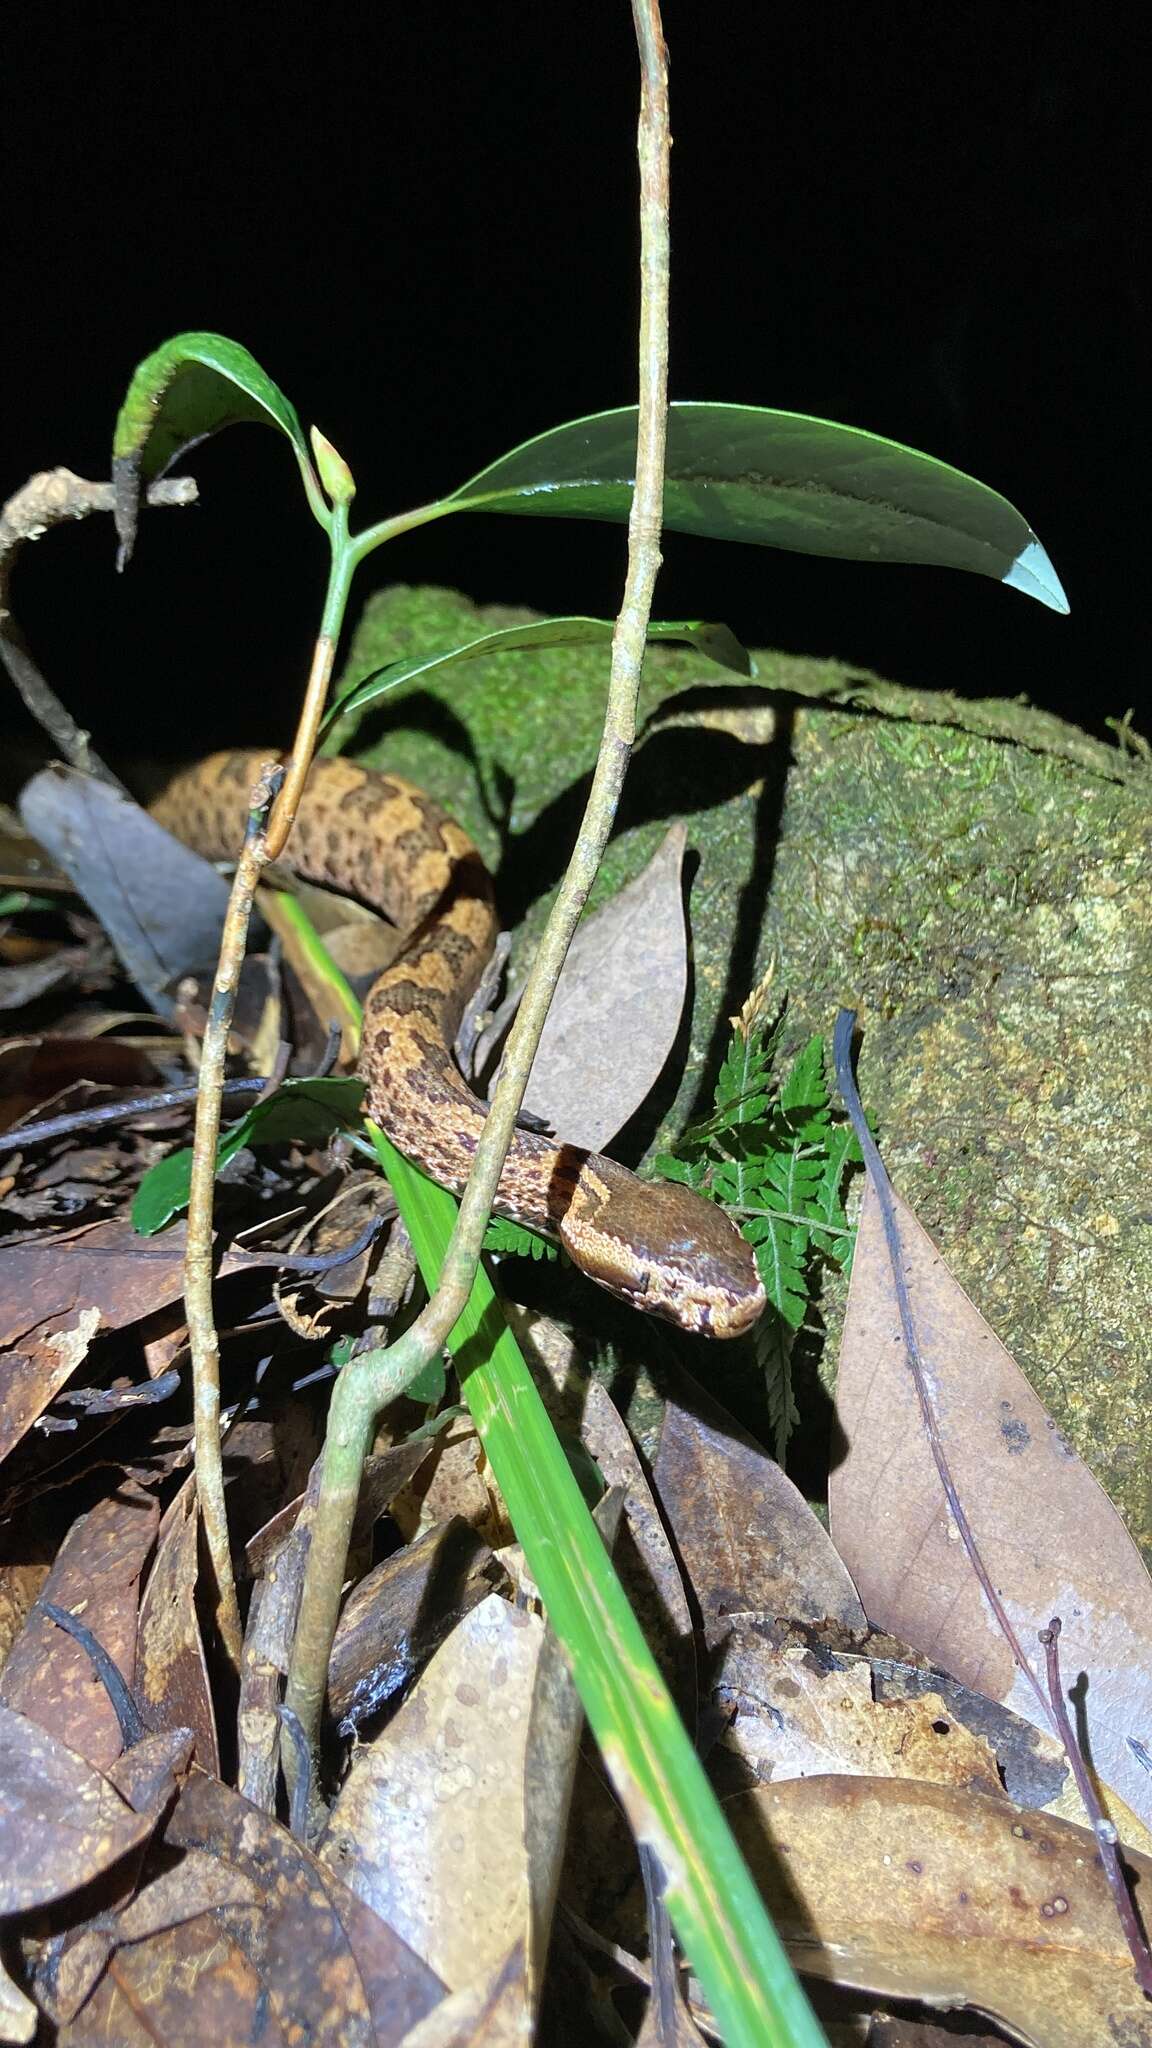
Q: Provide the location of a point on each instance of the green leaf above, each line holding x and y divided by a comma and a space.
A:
428, 1386
715, 641
191, 387
780, 1253
689, 1172
505, 1236
804, 1094
307, 1110
744, 1083
775, 1340
840, 1150
777, 479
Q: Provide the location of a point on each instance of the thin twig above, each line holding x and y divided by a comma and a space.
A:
203, 1340
18, 1136
260, 847
368, 1383
52, 498
1107, 1839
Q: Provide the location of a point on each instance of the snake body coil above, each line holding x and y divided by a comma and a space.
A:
379, 839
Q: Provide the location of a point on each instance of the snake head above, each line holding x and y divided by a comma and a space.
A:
662, 1248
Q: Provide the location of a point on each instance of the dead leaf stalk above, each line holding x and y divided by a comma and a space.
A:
55, 497
1103, 1829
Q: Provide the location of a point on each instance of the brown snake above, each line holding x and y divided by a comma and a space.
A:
374, 837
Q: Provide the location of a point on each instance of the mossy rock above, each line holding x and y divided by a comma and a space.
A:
974, 879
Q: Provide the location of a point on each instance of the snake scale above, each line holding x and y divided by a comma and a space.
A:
379, 839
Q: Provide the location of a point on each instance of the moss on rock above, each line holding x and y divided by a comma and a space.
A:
974, 879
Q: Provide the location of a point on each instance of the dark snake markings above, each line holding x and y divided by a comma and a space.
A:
381, 840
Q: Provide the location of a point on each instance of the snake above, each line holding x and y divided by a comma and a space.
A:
370, 835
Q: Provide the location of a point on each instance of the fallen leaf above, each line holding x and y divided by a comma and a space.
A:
400, 1613
35, 1069
328, 1969
429, 1828
161, 905
34, 1375
172, 1678
919, 1891
57, 1293
792, 1717
48, 1676
1051, 1541
616, 1012
750, 1544
61, 1822
18, 2015
454, 1481
491, 2014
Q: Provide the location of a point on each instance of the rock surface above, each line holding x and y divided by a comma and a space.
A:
974, 879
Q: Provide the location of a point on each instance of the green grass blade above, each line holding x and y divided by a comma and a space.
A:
715, 1907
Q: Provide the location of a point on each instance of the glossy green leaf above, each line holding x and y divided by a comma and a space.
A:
715, 641
191, 387
777, 479
309, 1110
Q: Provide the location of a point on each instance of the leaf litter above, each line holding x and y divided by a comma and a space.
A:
893, 1777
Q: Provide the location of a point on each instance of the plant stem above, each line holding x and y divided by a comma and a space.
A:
203, 1341
261, 845
368, 1383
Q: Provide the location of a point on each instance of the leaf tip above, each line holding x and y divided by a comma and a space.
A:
1032, 572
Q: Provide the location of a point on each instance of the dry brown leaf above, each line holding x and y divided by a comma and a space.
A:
429, 1829
55, 1296
453, 1481
303, 1961
795, 1718
172, 1677
192, 1984
400, 1613
61, 1822
919, 1891
1051, 1540
34, 1374
617, 1010
96, 1577
36, 1068
749, 1541
491, 2014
